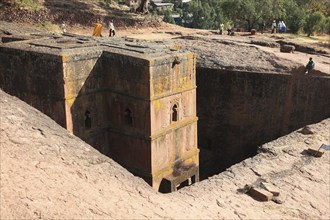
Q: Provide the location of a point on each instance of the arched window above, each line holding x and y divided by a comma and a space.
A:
175, 112
128, 117
88, 120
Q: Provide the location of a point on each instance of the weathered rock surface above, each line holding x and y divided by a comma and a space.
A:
287, 48
215, 52
47, 173
245, 53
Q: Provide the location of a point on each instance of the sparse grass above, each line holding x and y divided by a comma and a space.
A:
319, 42
51, 27
29, 4
106, 3
324, 38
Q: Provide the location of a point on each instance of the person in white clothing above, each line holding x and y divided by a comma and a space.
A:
274, 26
112, 29
63, 27
279, 26
283, 29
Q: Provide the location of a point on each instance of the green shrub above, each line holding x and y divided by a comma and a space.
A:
29, 4
313, 23
325, 25
168, 17
295, 20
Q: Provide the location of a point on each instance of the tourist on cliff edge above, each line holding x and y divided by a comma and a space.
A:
112, 29
310, 65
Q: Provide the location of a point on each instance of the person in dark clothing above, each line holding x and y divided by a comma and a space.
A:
310, 65
262, 27
229, 31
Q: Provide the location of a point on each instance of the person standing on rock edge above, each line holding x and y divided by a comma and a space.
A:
97, 32
283, 28
279, 27
262, 27
274, 27
111, 29
63, 27
229, 30
310, 65
222, 27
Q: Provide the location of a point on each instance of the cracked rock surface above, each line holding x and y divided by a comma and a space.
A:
47, 173
216, 52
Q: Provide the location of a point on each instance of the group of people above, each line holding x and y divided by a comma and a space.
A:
97, 32
222, 28
98, 29
280, 27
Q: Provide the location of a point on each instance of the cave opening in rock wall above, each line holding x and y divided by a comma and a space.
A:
239, 111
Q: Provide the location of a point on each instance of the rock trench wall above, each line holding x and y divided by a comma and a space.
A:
239, 111
36, 78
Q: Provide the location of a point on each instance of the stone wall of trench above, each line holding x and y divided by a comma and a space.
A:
35, 78
239, 111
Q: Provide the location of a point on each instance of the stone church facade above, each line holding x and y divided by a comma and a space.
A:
133, 101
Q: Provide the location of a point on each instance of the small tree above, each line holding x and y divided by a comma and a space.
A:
203, 14
168, 17
295, 21
143, 8
251, 12
325, 25
313, 23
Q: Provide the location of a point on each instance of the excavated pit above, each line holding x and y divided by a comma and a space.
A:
237, 110
247, 96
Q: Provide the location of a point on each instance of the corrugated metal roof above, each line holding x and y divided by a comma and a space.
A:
163, 4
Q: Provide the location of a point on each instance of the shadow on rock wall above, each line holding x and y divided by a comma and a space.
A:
239, 111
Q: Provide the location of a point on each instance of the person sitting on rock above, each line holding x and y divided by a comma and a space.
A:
310, 65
